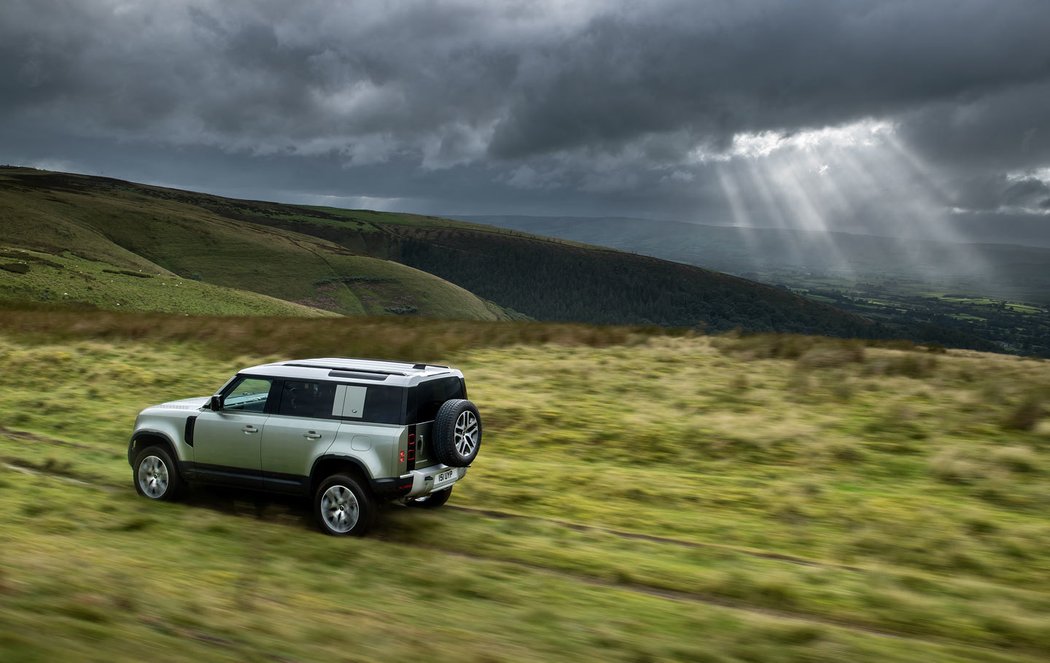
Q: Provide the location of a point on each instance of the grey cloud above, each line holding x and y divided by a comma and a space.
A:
597, 106
789, 65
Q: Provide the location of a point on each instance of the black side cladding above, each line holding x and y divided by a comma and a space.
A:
191, 422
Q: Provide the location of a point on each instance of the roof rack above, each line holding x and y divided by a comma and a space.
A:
343, 369
360, 375
419, 366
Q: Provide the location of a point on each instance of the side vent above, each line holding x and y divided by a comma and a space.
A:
191, 422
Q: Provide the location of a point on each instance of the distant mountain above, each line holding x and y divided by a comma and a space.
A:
792, 257
360, 262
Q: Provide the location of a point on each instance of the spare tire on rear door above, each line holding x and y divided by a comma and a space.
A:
457, 432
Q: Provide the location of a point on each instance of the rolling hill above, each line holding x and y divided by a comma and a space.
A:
122, 230
359, 262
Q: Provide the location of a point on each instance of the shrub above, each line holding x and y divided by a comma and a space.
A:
907, 365
831, 356
1016, 459
1026, 415
951, 466
844, 452
765, 346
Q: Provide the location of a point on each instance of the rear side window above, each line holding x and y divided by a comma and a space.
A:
302, 398
349, 402
384, 405
426, 398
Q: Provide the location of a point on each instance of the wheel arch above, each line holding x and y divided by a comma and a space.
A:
327, 465
147, 438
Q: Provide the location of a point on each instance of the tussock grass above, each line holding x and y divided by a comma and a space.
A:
1026, 414
751, 488
406, 338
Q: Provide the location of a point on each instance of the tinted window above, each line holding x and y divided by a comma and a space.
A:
247, 394
425, 399
384, 405
301, 398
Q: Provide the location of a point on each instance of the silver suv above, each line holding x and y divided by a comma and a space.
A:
348, 432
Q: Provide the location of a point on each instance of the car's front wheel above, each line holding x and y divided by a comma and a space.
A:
156, 475
343, 507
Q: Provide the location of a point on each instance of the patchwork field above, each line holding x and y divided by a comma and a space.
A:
639, 497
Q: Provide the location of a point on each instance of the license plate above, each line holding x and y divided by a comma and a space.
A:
445, 477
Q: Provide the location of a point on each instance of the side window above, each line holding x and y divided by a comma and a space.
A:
384, 405
301, 398
373, 404
248, 394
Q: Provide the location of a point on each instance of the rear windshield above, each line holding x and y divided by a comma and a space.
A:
425, 398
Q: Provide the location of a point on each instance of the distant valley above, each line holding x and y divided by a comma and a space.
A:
997, 290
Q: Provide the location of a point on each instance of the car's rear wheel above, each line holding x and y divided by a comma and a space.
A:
156, 475
433, 500
343, 507
457, 432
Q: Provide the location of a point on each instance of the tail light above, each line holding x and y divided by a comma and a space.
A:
411, 456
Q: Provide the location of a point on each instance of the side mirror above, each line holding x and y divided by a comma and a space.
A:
215, 404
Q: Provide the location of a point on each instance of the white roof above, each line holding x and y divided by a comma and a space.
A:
343, 369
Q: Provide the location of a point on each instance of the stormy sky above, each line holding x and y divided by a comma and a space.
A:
817, 114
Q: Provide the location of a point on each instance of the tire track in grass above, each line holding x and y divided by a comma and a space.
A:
654, 538
26, 436
682, 596
741, 607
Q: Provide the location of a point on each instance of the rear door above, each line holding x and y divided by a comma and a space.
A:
423, 403
303, 425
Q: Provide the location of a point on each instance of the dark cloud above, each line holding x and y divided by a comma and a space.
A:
468, 106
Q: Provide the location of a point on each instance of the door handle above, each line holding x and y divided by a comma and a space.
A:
249, 429
312, 435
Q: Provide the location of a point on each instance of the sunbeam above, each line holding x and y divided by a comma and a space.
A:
858, 178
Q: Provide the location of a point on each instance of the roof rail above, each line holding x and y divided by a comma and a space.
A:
360, 375
419, 366
342, 368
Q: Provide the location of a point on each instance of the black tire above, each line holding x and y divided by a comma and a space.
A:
348, 510
433, 500
457, 433
155, 474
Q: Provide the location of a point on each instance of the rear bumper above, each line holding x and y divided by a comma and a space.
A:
419, 483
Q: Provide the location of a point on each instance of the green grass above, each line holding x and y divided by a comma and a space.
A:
67, 279
638, 497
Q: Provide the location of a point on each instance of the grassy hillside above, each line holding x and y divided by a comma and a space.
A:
638, 497
356, 262
66, 279
127, 227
